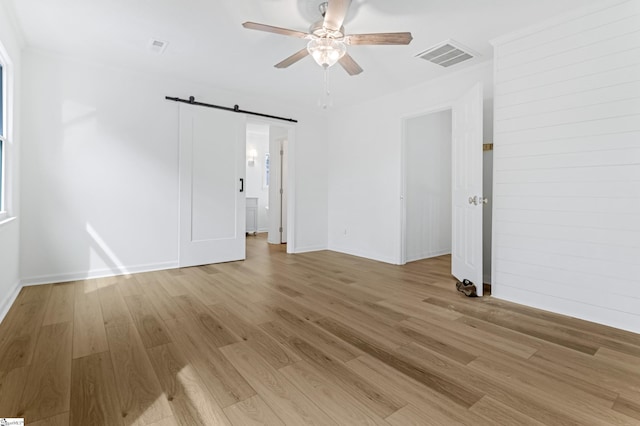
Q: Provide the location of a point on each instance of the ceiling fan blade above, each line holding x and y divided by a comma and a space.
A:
350, 65
302, 53
276, 30
379, 38
336, 12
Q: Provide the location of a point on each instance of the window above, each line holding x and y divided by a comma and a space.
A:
3, 143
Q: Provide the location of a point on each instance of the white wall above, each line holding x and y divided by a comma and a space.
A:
10, 230
365, 162
100, 168
427, 154
258, 140
567, 166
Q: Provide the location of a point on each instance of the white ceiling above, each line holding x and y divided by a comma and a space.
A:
208, 44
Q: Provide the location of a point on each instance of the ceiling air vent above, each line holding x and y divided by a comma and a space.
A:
447, 53
157, 46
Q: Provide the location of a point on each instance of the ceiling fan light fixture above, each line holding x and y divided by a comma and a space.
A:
326, 51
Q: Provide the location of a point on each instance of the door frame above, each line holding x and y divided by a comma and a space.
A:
290, 182
403, 171
448, 105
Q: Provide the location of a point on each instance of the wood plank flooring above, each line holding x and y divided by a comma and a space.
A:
319, 338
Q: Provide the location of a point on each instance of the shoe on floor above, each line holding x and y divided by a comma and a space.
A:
467, 288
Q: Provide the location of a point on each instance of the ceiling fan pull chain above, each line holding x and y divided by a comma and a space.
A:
325, 99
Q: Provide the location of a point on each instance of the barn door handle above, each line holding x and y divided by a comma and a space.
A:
241, 185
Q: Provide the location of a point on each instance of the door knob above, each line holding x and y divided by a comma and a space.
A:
475, 200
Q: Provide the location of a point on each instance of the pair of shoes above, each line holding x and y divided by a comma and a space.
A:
467, 288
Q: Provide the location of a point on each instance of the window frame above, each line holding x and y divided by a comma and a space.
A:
5, 137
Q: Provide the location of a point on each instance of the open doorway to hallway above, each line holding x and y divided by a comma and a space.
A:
267, 182
427, 189
427, 177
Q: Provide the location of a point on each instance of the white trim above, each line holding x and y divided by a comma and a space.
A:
4, 213
494, 234
309, 249
430, 255
8, 178
6, 304
357, 253
5, 218
291, 189
97, 273
571, 308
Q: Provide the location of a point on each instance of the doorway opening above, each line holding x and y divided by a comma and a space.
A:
257, 190
427, 185
268, 182
427, 190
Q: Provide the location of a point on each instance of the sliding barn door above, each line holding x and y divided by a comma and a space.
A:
212, 175
467, 197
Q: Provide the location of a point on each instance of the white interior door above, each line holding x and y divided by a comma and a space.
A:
212, 175
467, 198
278, 218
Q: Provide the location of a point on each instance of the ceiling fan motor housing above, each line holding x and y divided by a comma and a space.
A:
319, 30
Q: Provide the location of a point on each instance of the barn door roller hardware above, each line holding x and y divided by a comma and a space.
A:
236, 108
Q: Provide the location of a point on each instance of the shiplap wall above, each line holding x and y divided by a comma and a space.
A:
567, 165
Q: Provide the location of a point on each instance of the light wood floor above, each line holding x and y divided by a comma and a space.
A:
319, 338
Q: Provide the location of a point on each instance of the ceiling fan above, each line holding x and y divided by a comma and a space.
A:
328, 40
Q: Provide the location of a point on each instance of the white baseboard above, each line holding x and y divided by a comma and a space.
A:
309, 249
8, 300
430, 255
97, 273
365, 255
572, 308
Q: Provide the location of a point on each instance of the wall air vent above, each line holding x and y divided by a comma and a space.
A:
157, 46
447, 53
